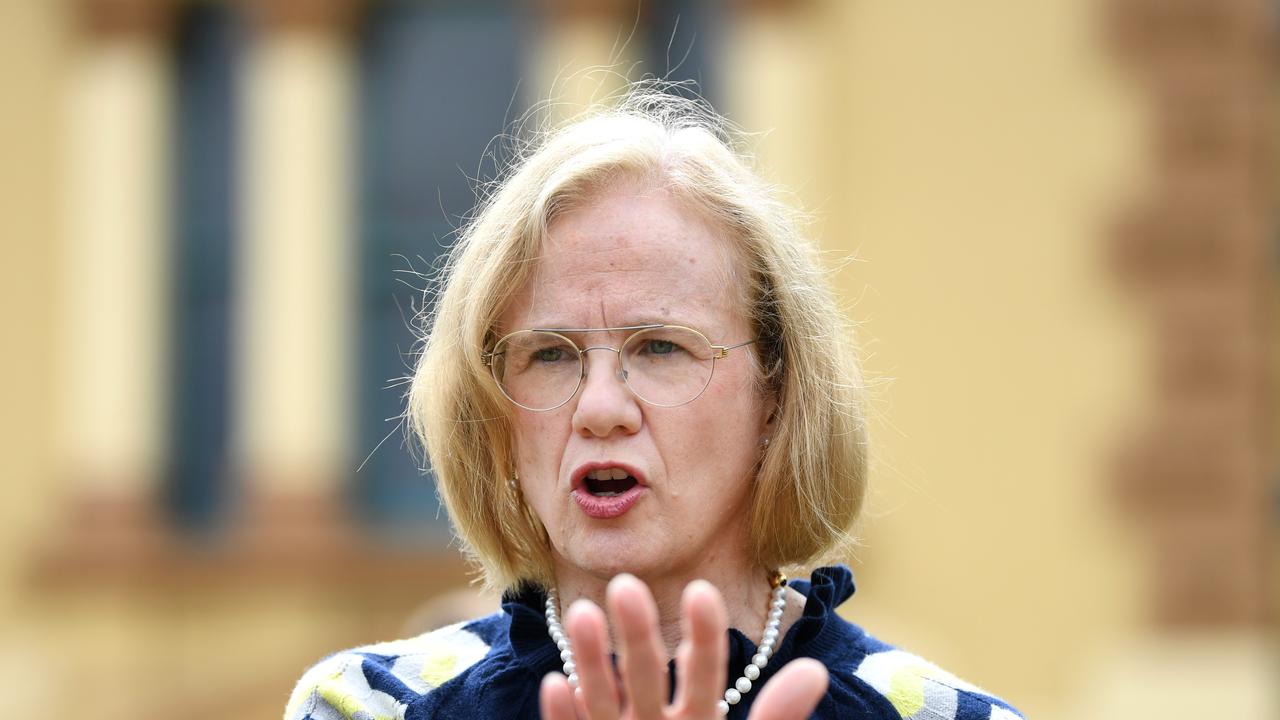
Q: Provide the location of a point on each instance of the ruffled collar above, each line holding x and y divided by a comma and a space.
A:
815, 633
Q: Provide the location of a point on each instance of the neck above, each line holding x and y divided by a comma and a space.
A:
744, 586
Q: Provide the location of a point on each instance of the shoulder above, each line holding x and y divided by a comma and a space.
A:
920, 690
377, 682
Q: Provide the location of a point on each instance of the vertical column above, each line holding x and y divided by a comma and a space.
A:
780, 81
583, 53
113, 354
296, 269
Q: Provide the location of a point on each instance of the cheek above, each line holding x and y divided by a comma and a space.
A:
538, 439
738, 425
717, 440
737, 401
536, 459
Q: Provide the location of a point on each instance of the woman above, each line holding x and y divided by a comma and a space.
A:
635, 396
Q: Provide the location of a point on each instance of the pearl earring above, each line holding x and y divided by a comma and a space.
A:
764, 441
513, 482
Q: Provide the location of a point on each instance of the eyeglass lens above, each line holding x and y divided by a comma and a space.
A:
666, 366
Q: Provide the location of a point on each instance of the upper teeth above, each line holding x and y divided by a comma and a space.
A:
607, 474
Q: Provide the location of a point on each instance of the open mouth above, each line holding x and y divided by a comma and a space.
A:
607, 490
608, 482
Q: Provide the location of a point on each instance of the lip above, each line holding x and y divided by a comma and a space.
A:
579, 476
604, 508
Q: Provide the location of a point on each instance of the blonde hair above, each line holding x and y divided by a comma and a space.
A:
812, 478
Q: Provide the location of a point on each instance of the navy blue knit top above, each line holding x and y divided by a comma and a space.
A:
492, 668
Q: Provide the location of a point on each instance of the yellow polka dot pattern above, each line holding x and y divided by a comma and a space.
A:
917, 689
337, 687
906, 690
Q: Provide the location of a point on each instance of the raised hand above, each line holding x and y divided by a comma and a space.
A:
638, 691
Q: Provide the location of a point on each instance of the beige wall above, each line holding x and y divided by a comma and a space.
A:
979, 168
962, 160
974, 153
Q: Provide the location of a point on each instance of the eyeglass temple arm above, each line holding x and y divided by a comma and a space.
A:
723, 350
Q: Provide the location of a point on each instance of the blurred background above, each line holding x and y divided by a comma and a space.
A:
1052, 221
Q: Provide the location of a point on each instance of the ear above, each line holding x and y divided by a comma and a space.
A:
769, 412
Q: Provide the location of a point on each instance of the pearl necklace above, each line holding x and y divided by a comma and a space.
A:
741, 686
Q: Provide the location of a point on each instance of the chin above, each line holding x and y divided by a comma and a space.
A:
607, 553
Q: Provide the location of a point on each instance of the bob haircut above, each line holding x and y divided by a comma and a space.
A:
811, 480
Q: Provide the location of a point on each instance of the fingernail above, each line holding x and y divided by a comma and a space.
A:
620, 580
697, 585
702, 587
578, 606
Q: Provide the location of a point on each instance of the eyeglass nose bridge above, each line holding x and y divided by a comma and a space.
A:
622, 371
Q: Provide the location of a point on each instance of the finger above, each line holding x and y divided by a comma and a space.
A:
703, 652
555, 698
599, 690
793, 693
644, 665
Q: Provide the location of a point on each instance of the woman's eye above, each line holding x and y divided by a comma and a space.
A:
550, 354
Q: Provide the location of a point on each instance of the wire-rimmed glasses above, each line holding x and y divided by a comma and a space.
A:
664, 365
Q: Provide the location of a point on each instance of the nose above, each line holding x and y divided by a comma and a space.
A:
605, 404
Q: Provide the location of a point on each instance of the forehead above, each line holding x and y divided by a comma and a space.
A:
629, 256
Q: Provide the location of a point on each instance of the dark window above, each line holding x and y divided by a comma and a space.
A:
207, 41
680, 42
437, 82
